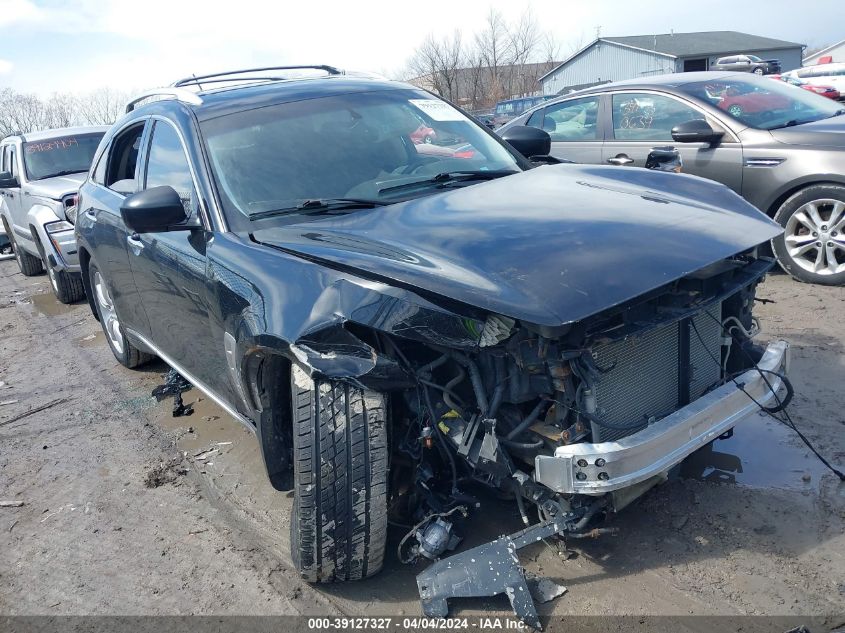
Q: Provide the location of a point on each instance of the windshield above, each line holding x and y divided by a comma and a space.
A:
754, 58
59, 156
763, 103
375, 145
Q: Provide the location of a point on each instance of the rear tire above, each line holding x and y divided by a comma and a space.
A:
29, 265
339, 520
812, 248
126, 354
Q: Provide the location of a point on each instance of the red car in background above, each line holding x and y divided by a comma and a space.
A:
826, 91
423, 134
737, 102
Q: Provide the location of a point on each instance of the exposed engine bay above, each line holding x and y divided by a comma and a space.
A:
486, 417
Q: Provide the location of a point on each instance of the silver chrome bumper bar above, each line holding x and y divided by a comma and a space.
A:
658, 447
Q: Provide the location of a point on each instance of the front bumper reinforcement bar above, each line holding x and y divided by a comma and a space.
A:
594, 469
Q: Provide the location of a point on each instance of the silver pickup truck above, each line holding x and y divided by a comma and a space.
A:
40, 173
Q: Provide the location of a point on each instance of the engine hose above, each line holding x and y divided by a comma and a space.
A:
532, 446
437, 362
532, 417
475, 379
499, 392
594, 533
592, 511
447, 392
441, 442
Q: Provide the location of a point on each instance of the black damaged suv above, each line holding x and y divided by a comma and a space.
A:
404, 323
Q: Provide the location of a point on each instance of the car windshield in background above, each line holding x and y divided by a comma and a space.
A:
763, 103
53, 157
378, 146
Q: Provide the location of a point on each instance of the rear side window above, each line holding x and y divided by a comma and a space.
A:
572, 120
121, 170
168, 165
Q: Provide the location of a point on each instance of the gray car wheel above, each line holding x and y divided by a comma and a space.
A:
759, 71
126, 354
812, 247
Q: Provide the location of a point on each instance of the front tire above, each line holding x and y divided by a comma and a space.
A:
126, 354
759, 71
339, 520
812, 247
67, 286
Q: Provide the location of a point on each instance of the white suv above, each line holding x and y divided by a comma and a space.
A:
40, 173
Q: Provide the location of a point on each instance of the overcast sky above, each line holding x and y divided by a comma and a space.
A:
78, 45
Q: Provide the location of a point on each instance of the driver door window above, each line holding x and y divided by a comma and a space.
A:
648, 117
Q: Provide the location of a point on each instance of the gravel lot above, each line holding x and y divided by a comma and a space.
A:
127, 510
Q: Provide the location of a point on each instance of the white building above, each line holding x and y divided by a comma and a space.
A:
835, 52
617, 58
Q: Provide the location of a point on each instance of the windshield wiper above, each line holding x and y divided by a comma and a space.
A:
66, 172
793, 123
316, 205
446, 177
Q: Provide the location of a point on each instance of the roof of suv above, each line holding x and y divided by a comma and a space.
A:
220, 101
44, 135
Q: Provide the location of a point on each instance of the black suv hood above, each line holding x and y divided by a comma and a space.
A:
548, 246
825, 133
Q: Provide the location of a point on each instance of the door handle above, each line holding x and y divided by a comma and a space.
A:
135, 243
620, 159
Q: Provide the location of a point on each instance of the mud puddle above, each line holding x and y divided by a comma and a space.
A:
763, 453
47, 304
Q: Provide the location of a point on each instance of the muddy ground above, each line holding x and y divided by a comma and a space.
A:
127, 510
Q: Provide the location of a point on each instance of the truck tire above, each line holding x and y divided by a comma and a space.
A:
30, 265
126, 354
339, 521
812, 247
67, 286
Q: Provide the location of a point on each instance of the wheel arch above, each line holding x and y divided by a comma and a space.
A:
792, 188
266, 372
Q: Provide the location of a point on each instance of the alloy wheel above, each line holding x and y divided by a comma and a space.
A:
111, 325
814, 236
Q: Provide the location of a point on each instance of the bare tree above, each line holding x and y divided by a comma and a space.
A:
493, 46
435, 64
103, 106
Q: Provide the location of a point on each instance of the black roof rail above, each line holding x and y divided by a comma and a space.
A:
218, 77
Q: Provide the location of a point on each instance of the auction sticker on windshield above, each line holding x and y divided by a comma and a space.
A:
437, 110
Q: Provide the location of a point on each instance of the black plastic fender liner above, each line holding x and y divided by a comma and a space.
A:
486, 570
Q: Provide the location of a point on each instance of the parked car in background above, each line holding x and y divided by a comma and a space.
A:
401, 328
40, 173
747, 64
820, 89
782, 149
423, 134
822, 74
510, 108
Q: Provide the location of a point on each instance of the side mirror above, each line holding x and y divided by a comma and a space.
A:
528, 141
696, 131
154, 211
8, 180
